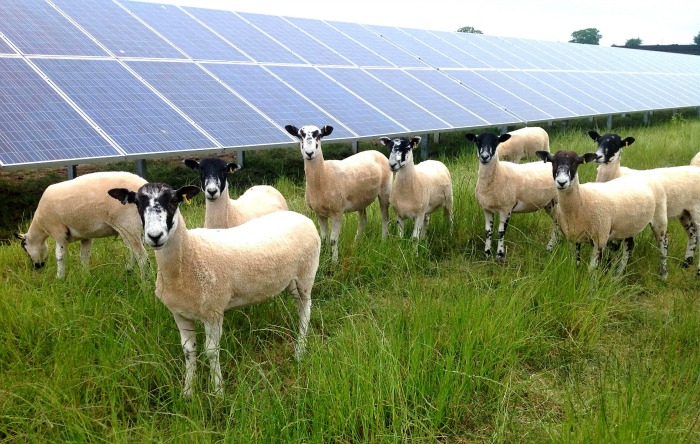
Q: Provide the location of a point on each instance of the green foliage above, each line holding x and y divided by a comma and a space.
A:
588, 36
469, 30
632, 43
407, 342
696, 39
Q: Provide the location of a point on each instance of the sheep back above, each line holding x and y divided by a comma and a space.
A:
431, 187
256, 201
696, 160
523, 142
522, 188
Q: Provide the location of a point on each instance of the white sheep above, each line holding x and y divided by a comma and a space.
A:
80, 210
600, 211
203, 272
681, 185
695, 161
523, 142
226, 213
335, 187
418, 190
506, 187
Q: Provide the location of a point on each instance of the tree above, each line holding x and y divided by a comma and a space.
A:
696, 39
633, 43
588, 36
469, 29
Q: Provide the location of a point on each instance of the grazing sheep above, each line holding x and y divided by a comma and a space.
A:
597, 211
80, 210
505, 188
226, 213
681, 185
335, 187
418, 190
696, 160
523, 142
203, 272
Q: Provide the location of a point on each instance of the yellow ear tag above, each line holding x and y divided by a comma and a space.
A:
184, 197
627, 144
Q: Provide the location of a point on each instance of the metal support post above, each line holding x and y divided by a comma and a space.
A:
240, 158
436, 137
355, 146
72, 171
609, 121
424, 147
141, 167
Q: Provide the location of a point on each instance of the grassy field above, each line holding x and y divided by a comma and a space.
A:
441, 346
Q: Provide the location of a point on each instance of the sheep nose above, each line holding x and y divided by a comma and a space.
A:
212, 191
156, 237
39, 265
561, 182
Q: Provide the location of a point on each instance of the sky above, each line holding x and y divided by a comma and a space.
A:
655, 22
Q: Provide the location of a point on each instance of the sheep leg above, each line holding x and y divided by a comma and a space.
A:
690, 228
336, 223
323, 225
628, 246
400, 225
550, 208
60, 258
450, 217
361, 223
303, 298
488, 218
424, 228
188, 341
213, 332
138, 253
578, 253
384, 208
596, 255
503, 219
85, 246
418, 227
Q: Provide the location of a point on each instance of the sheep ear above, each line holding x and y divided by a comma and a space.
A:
326, 130
386, 141
594, 135
123, 195
589, 157
414, 142
470, 137
546, 156
293, 130
191, 163
18, 235
503, 137
628, 141
232, 167
185, 193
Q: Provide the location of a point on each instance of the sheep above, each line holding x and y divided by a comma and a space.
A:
505, 188
600, 211
681, 184
227, 213
203, 272
335, 187
695, 161
80, 210
523, 142
418, 190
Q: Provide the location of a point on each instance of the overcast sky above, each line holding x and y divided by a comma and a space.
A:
655, 22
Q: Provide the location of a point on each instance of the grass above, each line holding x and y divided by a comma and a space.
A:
439, 346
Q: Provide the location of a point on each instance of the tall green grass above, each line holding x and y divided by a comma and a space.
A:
408, 342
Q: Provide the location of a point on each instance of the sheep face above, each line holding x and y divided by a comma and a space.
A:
157, 204
400, 150
486, 144
609, 146
212, 175
37, 250
309, 138
565, 165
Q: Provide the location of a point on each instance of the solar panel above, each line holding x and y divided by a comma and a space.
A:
5, 48
390, 102
469, 43
687, 85
185, 32
223, 115
37, 126
414, 46
533, 53
37, 28
243, 36
569, 102
354, 112
116, 29
281, 103
130, 113
308, 48
632, 86
581, 94
456, 53
587, 84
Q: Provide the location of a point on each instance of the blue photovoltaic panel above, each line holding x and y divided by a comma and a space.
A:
455, 53
607, 84
478, 81
498, 49
485, 110
5, 48
37, 126
293, 38
130, 113
416, 47
206, 101
116, 29
443, 107
469, 44
642, 90
663, 90
245, 37
582, 94
185, 32
274, 98
587, 84
37, 28
688, 86
534, 53
341, 43
562, 51
392, 103
530, 92
561, 98
356, 114
378, 45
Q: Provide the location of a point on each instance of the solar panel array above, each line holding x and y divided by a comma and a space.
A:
91, 80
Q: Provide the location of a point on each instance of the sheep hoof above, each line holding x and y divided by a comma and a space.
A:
500, 257
687, 262
487, 254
